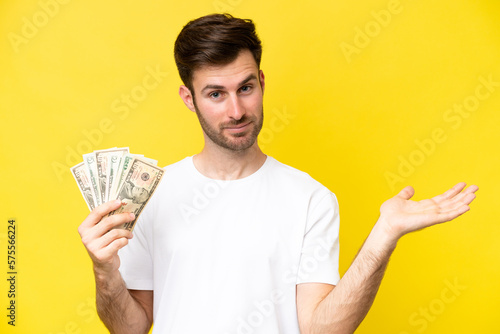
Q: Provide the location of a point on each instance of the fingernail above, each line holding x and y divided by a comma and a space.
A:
117, 201
132, 216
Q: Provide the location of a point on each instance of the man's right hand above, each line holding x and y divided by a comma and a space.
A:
120, 309
100, 238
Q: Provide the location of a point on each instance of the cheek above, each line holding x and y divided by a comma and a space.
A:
254, 105
212, 111
256, 99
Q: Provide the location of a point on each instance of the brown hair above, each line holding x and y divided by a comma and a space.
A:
215, 39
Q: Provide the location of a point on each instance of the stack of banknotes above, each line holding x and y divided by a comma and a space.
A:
106, 175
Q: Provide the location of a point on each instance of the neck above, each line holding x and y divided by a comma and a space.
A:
222, 164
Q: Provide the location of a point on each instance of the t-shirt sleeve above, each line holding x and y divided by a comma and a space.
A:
319, 261
136, 265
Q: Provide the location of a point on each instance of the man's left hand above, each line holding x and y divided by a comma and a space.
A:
400, 215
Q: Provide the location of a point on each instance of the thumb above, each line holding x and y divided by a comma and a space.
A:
406, 193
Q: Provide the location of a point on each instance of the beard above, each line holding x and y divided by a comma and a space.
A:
234, 142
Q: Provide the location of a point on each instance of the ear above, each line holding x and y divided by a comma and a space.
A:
187, 97
262, 81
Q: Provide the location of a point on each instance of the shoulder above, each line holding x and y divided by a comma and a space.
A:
179, 166
294, 177
281, 167
174, 177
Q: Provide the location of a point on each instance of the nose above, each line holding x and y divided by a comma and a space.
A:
236, 108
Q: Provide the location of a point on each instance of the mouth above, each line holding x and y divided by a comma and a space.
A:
237, 128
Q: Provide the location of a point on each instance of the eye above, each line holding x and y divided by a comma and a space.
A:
246, 88
214, 95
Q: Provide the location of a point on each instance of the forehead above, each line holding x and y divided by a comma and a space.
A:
226, 75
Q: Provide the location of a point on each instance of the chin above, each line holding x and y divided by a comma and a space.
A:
240, 146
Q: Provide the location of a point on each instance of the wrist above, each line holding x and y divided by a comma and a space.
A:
106, 278
383, 237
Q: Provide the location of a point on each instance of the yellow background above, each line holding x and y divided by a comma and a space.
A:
353, 122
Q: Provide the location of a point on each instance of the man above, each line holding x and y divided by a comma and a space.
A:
234, 241
130, 191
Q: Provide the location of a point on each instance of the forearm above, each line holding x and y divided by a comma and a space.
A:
116, 307
343, 309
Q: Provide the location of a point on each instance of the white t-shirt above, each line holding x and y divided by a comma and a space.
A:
224, 257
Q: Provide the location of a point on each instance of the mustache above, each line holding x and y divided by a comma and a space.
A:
242, 120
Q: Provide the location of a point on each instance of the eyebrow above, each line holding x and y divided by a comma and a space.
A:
244, 81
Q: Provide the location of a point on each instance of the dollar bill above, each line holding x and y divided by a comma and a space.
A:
102, 168
125, 164
113, 164
137, 187
103, 160
114, 173
120, 172
83, 180
89, 160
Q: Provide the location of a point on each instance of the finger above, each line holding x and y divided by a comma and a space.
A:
99, 212
103, 256
90, 235
111, 236
438, 217
452, 214
108, 223
115, 245
456, 189
97, 246
472, 189
465, 197
406, 193
469, 190
468, 198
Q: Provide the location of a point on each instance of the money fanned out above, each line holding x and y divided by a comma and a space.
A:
106, 175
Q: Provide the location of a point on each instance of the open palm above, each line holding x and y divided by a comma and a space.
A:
403, 215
